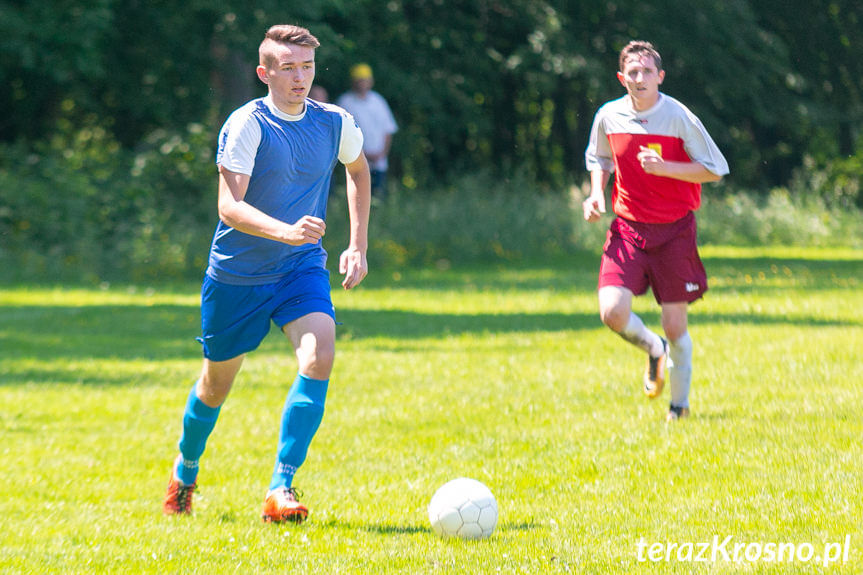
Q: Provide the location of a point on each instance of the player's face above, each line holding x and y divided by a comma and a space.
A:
363, 85
641, 79
290, 79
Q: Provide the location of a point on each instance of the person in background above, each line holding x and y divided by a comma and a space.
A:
319, 94
375, 119
660, 154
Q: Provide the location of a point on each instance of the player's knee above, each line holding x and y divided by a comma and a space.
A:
317, 362
614, 317
213, 389
615, 307
674, 330
681, 345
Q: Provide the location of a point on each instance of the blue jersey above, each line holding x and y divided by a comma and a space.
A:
292, 160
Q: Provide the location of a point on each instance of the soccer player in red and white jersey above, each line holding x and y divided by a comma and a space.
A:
660, 154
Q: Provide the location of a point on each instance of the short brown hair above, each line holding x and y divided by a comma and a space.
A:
284, 34
639, 48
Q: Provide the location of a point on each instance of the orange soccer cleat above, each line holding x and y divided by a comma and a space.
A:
283, 504
178, 499
654, 375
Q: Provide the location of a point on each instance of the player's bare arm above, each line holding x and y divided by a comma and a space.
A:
594, 204
653, 163
238, 214
353, 263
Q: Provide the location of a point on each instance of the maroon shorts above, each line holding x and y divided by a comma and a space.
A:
662, 256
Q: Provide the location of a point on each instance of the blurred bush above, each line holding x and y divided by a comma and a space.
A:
837, 182
81, 208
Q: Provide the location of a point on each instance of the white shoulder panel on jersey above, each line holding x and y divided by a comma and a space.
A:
242, 135
351, 141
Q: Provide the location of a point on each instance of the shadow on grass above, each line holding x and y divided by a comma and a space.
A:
413, 325
144, 334
389, 529
168, 332
36, 340
43, 338
794, 273
99, 332
580, 273
395, 529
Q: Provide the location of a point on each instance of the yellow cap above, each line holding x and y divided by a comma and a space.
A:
361, 72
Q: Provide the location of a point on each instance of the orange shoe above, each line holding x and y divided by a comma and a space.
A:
283, 504
178, 499
654, 375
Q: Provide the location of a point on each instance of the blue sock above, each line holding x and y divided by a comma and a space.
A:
199, 419
304, 409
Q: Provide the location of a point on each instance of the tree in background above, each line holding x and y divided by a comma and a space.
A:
477, 85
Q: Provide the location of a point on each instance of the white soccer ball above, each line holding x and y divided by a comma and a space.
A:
463, 508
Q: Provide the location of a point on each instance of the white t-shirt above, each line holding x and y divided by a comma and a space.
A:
375, 119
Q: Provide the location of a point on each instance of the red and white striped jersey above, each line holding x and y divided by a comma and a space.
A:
671, 129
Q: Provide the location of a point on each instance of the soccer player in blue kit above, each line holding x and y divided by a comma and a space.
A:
275, 157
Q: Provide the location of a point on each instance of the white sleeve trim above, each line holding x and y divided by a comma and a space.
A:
702, 149
241, 135
351, 141
598, 155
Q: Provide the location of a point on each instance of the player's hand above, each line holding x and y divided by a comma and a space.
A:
651, 161
594, 207
354, 266
307, 230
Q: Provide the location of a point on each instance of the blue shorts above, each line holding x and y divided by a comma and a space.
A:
235, 319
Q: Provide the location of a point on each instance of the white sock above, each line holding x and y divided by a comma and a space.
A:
637, 334
680, 370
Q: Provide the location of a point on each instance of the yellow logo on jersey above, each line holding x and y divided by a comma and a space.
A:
656, 148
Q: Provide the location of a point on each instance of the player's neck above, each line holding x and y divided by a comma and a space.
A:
285, 107
644, 104
291, 109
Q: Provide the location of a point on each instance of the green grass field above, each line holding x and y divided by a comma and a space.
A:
504, 374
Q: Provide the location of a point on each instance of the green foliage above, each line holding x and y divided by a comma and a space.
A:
517, 87
55, 202
52, 56
778, 219
173, 178
84, 209
837, 182
482, 218
824, 42
502, 373
477, 218
107, 142
483, 85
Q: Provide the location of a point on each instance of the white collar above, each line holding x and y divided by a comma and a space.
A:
648, 111
268, 100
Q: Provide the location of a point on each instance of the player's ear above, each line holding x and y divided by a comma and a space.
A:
621, 78
661, 76
262, 74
